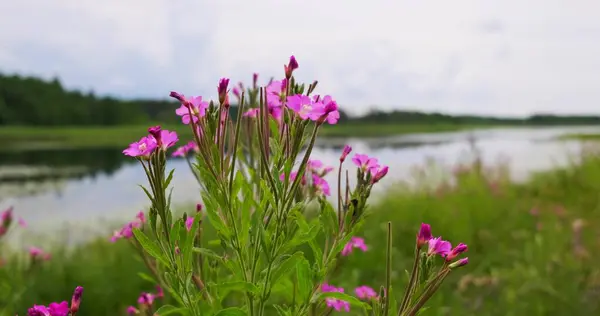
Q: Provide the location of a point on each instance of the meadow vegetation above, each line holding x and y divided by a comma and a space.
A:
534, 246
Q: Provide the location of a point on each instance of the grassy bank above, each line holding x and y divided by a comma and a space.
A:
533, 248
120, 136
591, 137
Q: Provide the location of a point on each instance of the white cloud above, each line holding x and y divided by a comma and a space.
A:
510, 57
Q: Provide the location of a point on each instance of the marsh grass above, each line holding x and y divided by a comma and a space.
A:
534, 248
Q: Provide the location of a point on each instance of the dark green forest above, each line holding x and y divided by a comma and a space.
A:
29, 101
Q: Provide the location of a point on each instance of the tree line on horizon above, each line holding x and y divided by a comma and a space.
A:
30, 101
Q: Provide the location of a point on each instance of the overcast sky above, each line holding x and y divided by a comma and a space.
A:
491, 57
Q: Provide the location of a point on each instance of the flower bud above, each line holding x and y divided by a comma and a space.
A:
459, 263
198, 207
222, 89
424, 235
76, 300
290, 67
460, 248
178, 96
345, 153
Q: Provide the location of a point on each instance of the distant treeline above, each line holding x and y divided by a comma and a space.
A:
33, 101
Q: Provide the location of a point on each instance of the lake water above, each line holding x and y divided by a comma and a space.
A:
88, 188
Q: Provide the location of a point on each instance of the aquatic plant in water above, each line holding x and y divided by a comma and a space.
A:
278, 237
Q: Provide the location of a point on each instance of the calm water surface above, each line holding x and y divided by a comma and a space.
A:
88, 188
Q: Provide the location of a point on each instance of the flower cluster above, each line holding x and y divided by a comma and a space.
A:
59, 309
157, 138
261, 223
127, 230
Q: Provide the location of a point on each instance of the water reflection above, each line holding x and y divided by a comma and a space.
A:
82, 186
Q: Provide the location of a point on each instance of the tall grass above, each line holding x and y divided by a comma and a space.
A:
534, 247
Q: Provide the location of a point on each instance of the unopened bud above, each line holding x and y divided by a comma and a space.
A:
459, 263
76, 300
177, 96
424, 235
222, 89
290, 67
345, 153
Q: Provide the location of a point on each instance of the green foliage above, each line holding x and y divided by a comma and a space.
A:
516, 268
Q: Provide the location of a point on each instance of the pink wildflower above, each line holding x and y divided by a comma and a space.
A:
22, 222
345, 153
379, 174
38, 310
334, 303
365, 163
196, 106
164, 138
439, 247
365, 292
189, 222
37, 253
355, 242
292, 178
314, 165
251, 113
304, 107
159, 292
185, 149
275, 93
460, 248
327, 110
59, 309
142, 148
321, 185
132, 310
236, 92
424, 235
146, 299
141, 217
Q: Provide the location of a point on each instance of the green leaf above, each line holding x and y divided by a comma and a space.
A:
286, 266
169, 178
231, 311
239, 286
209, 253
147, 277
304, 279
329, 218
171, 310
151, 247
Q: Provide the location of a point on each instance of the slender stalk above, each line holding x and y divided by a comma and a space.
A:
433, 286
411, 282
388, 271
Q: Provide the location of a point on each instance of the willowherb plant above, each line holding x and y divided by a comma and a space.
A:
279, 238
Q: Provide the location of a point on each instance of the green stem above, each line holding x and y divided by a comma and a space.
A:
428, 292
411, 282
388, 269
